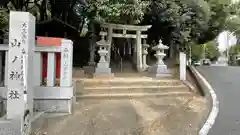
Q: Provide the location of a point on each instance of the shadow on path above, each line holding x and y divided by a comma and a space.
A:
150, 116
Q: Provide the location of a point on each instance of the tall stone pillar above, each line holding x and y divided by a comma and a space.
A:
139, 51
144, 54
20, 69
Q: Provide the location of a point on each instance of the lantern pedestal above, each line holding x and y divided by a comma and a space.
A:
103, 69
159, 71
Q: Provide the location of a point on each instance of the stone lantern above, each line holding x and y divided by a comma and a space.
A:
103, 64
159, 69
145, 53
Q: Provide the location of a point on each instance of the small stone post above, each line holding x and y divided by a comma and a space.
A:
66, 63
145, 53
159, 69
103, 65
183, 64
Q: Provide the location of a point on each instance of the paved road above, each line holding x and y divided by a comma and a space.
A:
226, 82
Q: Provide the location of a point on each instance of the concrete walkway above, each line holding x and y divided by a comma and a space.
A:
146, 116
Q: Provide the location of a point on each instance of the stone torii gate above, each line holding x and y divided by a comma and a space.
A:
139, 48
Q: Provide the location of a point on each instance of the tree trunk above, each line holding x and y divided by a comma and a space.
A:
92, 49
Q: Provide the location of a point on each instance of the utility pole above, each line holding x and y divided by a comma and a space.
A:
227, 44
227, 50
203, 53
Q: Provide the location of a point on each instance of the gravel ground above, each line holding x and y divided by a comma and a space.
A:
168, 115
154, 116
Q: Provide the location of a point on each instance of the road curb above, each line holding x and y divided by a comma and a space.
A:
189, 85
209, 93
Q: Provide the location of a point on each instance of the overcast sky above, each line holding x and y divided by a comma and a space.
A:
222, 40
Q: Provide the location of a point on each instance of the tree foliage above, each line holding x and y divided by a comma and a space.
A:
176, 22
208, 50
211, 50
233, 21
180, 22
196, 52
70, 12
117, 11
233, 52
3, 21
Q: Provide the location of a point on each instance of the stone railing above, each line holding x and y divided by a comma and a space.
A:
49, 92
22, 71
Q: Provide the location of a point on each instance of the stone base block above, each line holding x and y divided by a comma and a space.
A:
159, 71
54, 105
55, 99
3, 107
103, 65
50, 105
109, 76
50, 99
102, 71
8, 127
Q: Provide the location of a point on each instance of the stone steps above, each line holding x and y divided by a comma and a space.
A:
132, 91
130, 87
132, 95
129, 82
